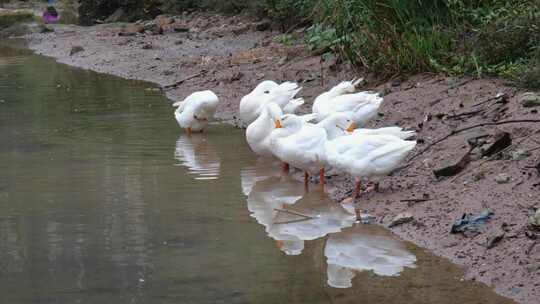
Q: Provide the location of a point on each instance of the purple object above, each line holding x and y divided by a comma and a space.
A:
50, 15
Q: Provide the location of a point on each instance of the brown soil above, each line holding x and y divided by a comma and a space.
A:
228, 55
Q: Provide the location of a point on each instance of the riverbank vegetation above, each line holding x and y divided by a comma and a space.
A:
8, 18
392, 37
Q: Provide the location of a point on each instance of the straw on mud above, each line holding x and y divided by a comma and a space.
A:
294, 213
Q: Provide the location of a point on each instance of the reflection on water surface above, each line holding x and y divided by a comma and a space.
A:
102, 201
198, 155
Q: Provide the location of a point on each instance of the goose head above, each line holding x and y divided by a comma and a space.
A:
289, 123
338, 124
264, 87
346, 87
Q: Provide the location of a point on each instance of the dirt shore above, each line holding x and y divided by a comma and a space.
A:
230, 55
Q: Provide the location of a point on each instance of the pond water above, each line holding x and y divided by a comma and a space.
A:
103, 199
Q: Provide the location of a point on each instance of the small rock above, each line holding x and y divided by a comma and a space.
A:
520, 154
534, 220
262, 26
501, 141
401, 218
530, 99
75, 50
178, 42
240, 29
533, 267
396, 83
493, 240
147, 46
502, 178
236, 76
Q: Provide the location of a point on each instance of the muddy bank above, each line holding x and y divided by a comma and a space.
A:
231, 55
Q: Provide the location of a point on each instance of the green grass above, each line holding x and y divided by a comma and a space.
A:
390, 37
9, 19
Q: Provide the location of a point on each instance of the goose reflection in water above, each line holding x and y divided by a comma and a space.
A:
299, 216
198, 155
364, 248
263, 169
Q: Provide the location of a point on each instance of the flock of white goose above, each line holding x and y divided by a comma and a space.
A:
329, 137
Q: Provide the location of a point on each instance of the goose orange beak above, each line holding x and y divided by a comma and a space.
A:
351, 127
278, 124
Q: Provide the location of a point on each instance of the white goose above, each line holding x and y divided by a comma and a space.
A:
361, 107
299, 144
370, 157
267, 91
258, 132
340, 124
194, 112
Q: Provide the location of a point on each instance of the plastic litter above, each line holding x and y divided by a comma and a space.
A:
470, 222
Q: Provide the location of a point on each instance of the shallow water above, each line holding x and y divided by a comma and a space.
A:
103, 199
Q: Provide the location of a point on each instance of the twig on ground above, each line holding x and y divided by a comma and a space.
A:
502, 97
292, 221
412, 201
457, 131
293, 213
464, 114
181, 81
517, 184
416, 200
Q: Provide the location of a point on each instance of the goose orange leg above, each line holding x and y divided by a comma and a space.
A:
357, 189
306, 177
189, 131
285, 168
322, 179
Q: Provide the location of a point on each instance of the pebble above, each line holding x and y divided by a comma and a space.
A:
75, 50
401, 218
502, 178
534, 220
529, 99
520, 154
